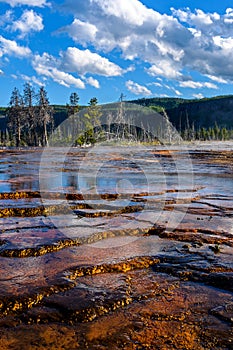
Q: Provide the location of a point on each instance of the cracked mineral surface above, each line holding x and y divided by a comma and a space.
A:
135, 251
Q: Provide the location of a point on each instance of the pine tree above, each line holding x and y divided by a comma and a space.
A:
212, 134
73, 105
91, 120
224, 134
217, 131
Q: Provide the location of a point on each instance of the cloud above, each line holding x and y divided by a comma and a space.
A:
168, 46
165, 68
85, 61
217, 79
178, 93
163, 95
31, 3
198, 19
93, 82
32, 79
155, 84
1, 72
171, 88
6, 18
197, 85
76, 61
47, 65
181, 42
11, 48
228, 18
198, 96
132, 12
81, 32
129, 26
28, 22
137, 89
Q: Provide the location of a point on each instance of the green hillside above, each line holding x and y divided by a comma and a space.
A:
183, 113
206, 112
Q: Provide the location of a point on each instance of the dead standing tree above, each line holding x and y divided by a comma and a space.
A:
44, 115
120, 119
29, 98
16, 116
72, 110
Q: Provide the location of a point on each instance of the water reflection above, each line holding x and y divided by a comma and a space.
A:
112, 170
19, 170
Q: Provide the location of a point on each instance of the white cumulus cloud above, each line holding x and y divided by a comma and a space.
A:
132, 11
171, 44
177, 92
11, 48
46, 65
93, 82
228, 18
199, 18
85, 61
129, 26
165, 68
36, 3
33, 79
28, 22
198, 96
6, 18
82, 32
137, 89
217, 79
197, 85
155, 84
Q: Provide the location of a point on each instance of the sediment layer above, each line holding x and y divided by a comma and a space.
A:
134, 270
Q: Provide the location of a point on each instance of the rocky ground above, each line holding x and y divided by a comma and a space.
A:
132, 269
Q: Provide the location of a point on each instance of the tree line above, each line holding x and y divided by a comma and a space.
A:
30, 122
30, 119
214, 133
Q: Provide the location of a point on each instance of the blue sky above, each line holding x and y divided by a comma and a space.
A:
102, 48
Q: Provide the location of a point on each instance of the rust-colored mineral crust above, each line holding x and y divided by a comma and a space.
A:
133, 269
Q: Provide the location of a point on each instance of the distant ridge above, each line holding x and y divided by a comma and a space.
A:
205, 112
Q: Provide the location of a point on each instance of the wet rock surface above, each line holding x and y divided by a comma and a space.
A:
141, 260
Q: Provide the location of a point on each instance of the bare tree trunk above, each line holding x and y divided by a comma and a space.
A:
45, 134
18, 134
